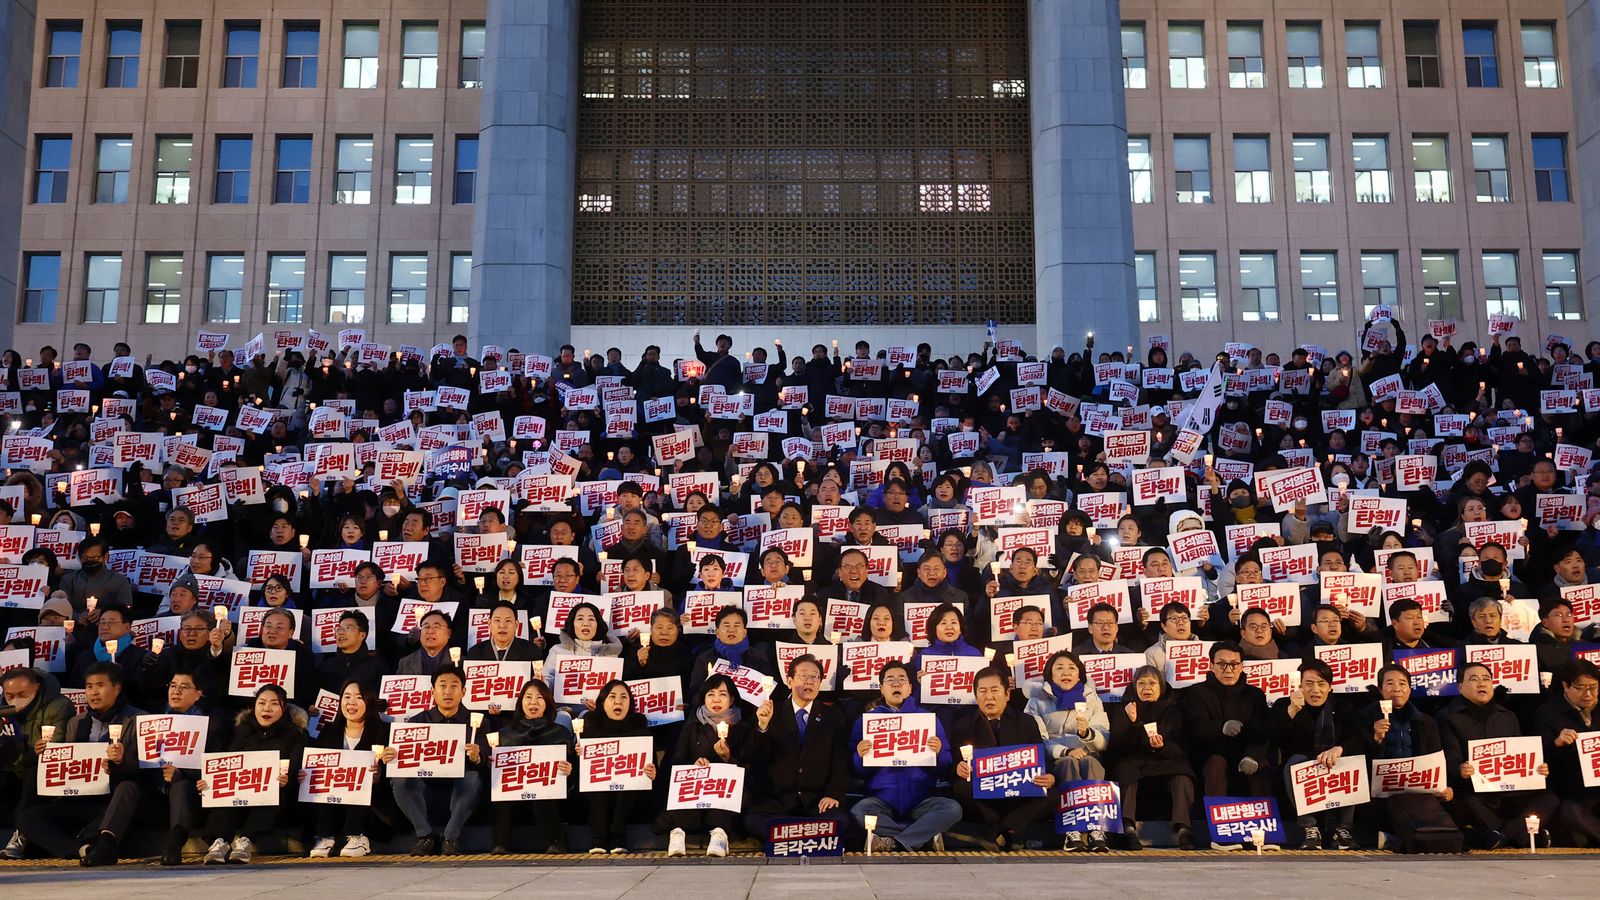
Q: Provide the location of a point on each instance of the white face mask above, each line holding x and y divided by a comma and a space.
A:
190, 369
391, 509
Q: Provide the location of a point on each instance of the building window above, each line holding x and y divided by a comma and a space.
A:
163, 289
1489, 168
1197, 285
1363, 61
1141, 173
361, 55
242, 55
102, 288
1144, 278
1550, 168
286, 282
1422, 54
466, 186
1430, 167
1370, 157
353, 181
1305, 54
174, 156
52, 161
1380, 282
122, 54
420, 67
974, 198
1245, 67
43, 273
64, 48
301, 46
1186, 54
1562, 298
460, 287
1539, 66
1252, 169
113, 160
181, 68
1501, 296
291, 181
1191, 161
413, 171
347, 290
408, 289
599, 72
225, 288
472, 46
1133, 56
1319, 286
1477, 49
233, 170
1258, 287
1313, 182
1441, 288
594, 203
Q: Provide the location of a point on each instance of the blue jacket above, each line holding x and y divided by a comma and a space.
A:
903, 787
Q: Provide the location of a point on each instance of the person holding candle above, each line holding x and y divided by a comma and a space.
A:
1147, 747
358, 725
610, 813
1022, 578
435, 632
95, 578
114, 644
36, 704
1312, 723
412, 794
272, 723
994, 722
1495, 818
187, 697
90, 829
908, 810
1396, 728
1077, 730
716, 733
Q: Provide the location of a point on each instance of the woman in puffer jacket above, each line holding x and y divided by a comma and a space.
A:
272, 723
1076, 723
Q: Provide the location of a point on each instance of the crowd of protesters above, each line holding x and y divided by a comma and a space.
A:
992, 476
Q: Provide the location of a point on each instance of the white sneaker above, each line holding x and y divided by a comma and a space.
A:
244, 850
218, 853
16, 848
322, 849
675, 843
356, 845
597, 851
717, 845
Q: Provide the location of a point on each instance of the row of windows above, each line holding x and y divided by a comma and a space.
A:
241, 54
1304, 65
1258, 298
294, 161
1431, 180
286, 292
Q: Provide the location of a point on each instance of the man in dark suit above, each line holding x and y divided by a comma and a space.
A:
799, 754
994, 723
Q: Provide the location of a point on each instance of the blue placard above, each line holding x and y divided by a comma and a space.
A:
1231, 819
1433, 670
796, 838
1000, 773
1089, 806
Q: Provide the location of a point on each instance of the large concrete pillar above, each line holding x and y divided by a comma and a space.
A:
1583, 70
522, 234
16, 67
1082, 214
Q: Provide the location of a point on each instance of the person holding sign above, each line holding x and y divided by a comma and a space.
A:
532, 724
585, 634
1074, 719
272, 724
1147, 745
1022, 579
995, 723
1397, 729
910, 814
611, 812
359, 725
449, 686
35, 704
277, 633
719, 731
731, 643
1565, 722
1312, 723
797, 758
1476, 715
186, 697
59, 827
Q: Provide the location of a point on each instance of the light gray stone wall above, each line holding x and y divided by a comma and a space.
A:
1083, 220
16, 68
522, 238
1583, 70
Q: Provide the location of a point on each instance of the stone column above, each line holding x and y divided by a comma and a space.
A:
16, 67
1082, 214
1583, 75
522, 236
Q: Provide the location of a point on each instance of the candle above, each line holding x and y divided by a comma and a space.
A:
493, 739
283, 768
1387, 707
377, 753
1011, 660
536, 624
69, 625
1532, 821
91, 601
966, 752
47, 733
455, 656
305, 541
1150, 729
220, 613
94, 528
37, 518
383, 534
835, 637
157, 645
1258, 837
722, 731
115, 731
111, 649
577, 728
477, 720
988, 653
479, 582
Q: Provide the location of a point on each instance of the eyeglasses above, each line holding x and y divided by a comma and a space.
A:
1227, 666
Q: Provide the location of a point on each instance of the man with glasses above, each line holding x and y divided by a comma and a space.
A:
1102, 633
278, 633
368, 591
1255, 635
1476, 715
433, 578
911, 815
189, 654
1227, 721
412, 794
186, 697
352, 661
114, 627
434, 634
1176, 625
851, 583
797, 758
1564, 721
